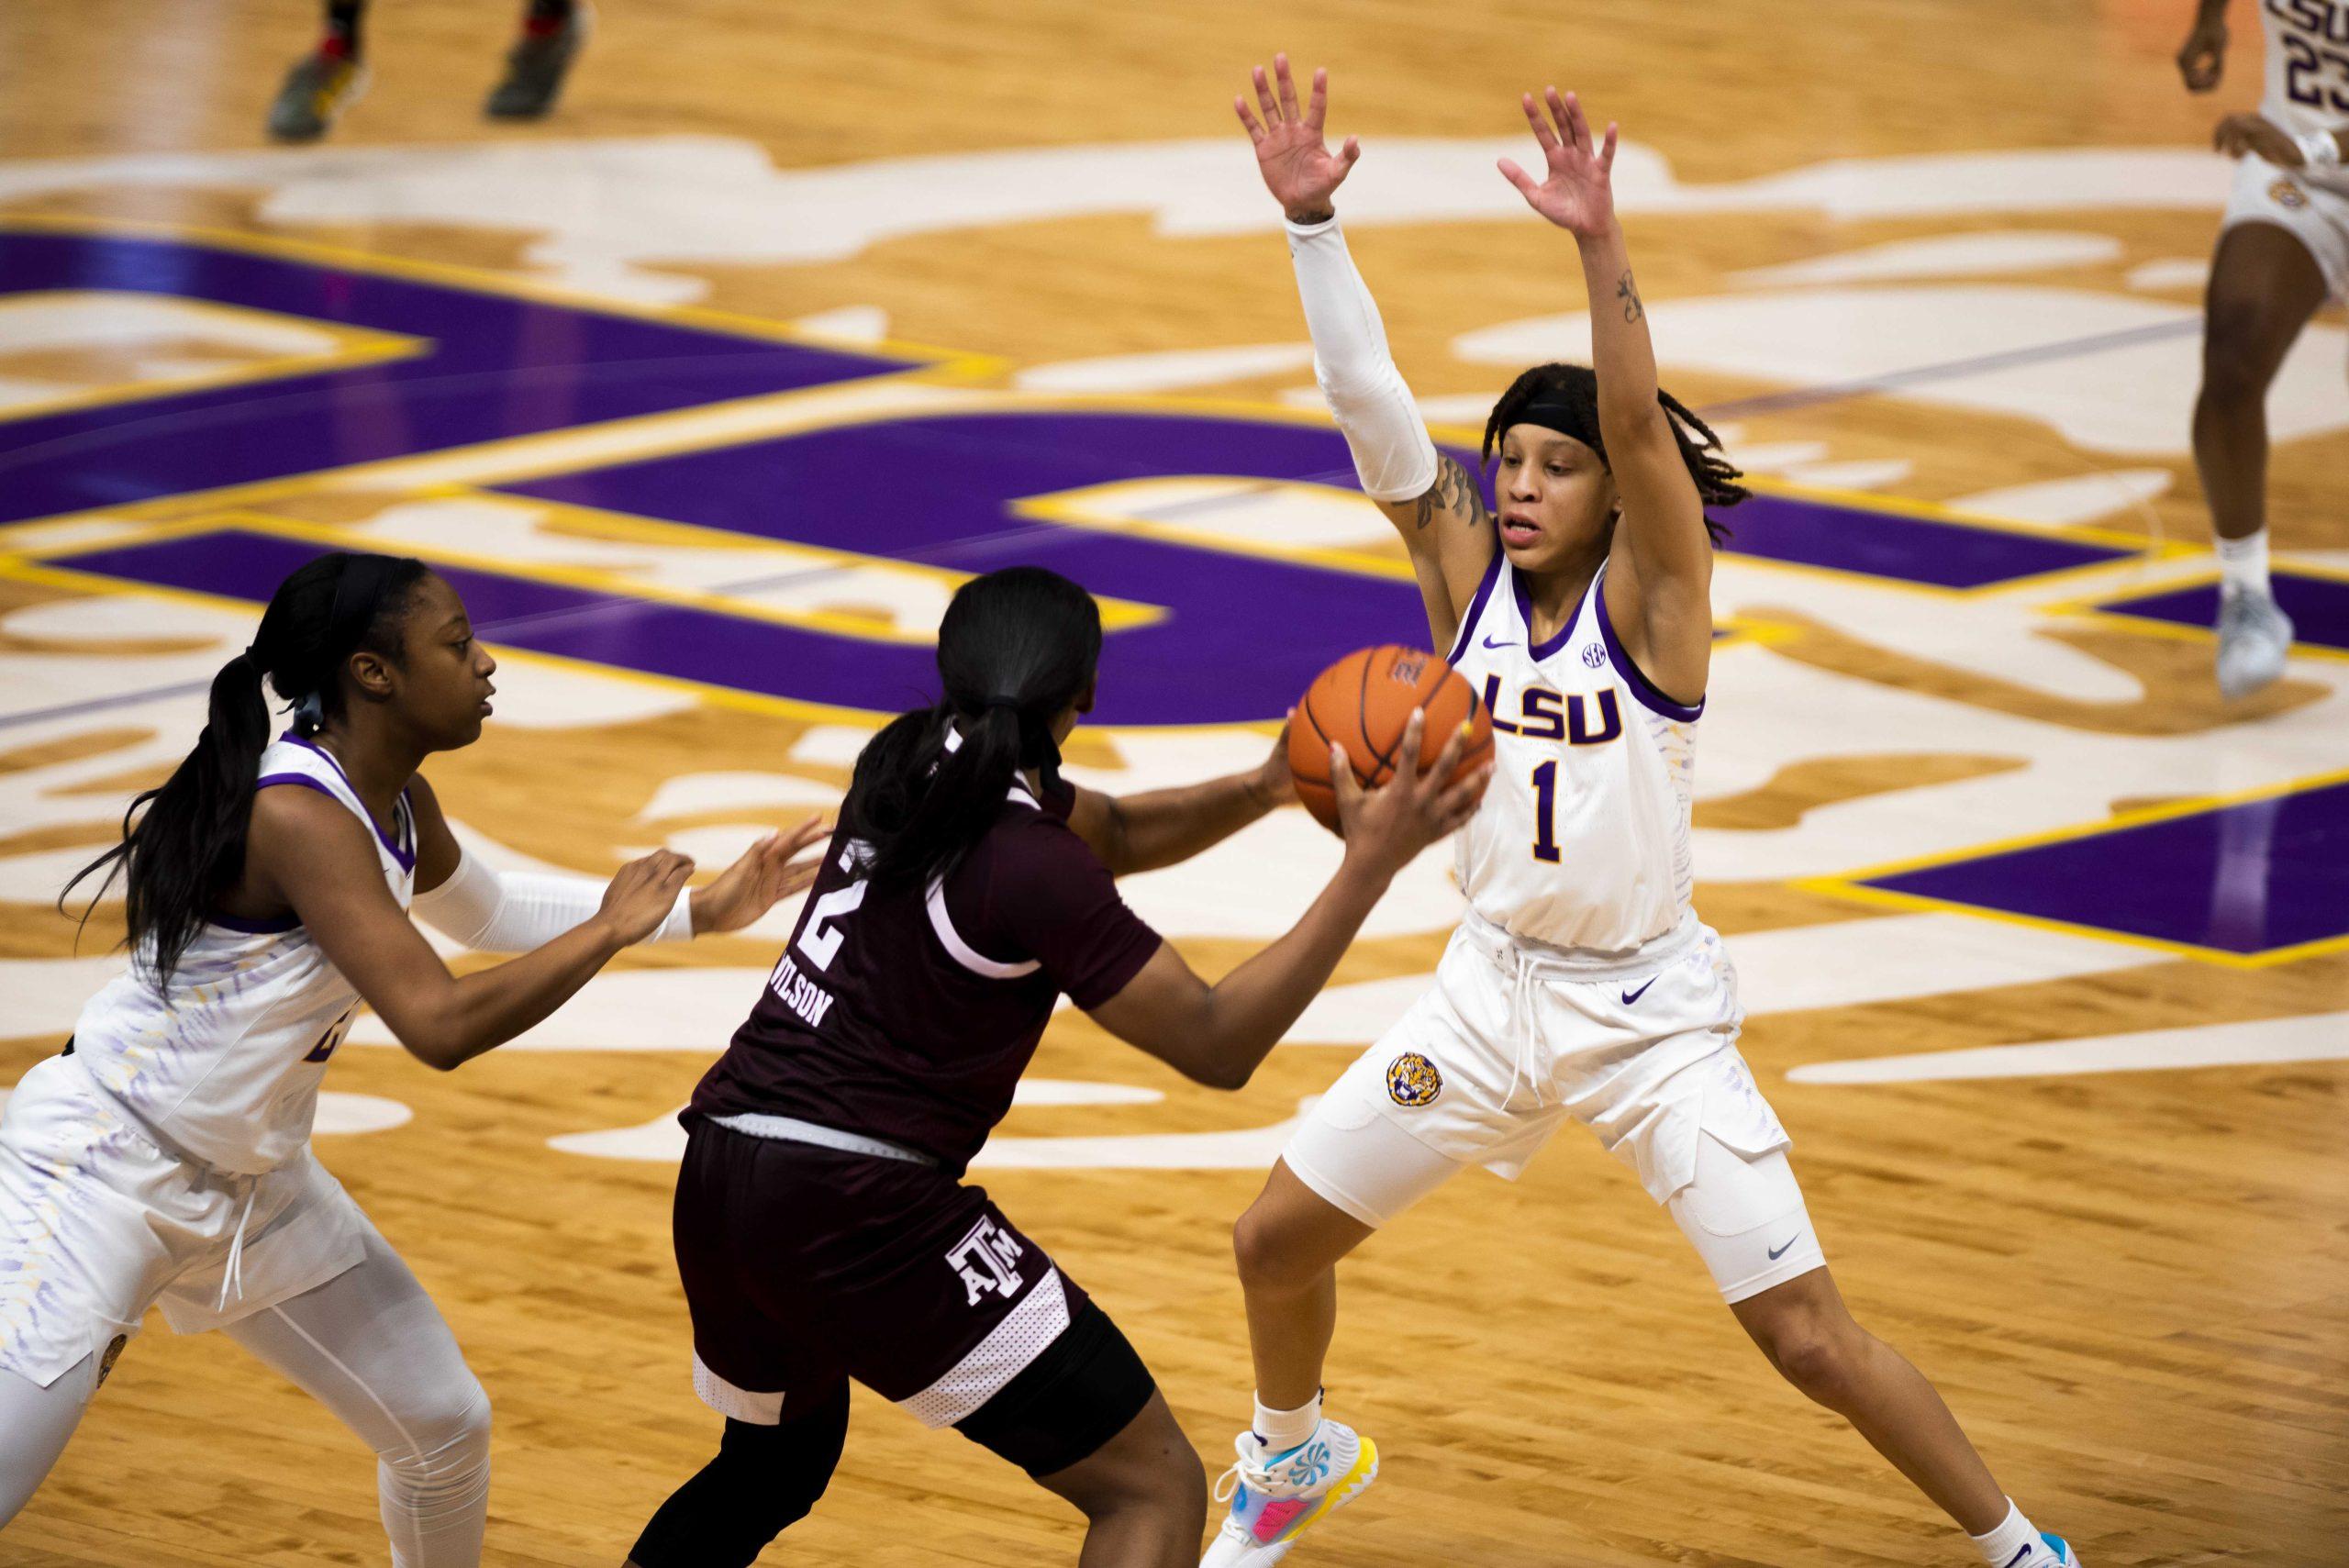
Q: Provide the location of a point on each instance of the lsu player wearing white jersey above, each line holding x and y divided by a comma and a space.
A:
164, 1157
2283, 250
1582, 986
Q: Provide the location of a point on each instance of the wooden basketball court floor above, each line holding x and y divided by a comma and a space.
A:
708, 389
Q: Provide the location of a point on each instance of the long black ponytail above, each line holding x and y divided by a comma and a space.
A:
183, 841
1016, 649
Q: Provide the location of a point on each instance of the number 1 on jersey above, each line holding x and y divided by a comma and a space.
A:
1545, 813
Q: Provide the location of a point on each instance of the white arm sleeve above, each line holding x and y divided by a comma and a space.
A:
1393, 454
515, 911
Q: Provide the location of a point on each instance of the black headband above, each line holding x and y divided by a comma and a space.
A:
1566, 419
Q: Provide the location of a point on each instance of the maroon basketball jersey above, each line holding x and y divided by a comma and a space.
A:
909, 1015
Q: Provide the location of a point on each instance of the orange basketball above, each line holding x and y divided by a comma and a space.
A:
1362, 702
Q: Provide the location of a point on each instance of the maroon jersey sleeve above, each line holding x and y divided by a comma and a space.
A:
1048, 897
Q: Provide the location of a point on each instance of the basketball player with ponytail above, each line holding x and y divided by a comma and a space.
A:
164, 1156
823, 1229
1582, 984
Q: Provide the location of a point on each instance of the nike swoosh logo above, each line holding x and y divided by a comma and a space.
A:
1490, 643
1631, 996
2019, 1555
1776, 1252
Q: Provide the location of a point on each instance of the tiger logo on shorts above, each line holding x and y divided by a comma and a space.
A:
1412, 1080
2287, 194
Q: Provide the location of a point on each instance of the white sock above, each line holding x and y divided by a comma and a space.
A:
2003, 1545
2243, 563
1281, 1430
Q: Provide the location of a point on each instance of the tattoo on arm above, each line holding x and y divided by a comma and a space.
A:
1456, 490
1629, 293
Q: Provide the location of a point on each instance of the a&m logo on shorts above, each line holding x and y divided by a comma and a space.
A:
1412, 1080
988, 1257
2287, 194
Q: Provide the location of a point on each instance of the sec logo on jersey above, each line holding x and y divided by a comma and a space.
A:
2285, 194
1412, 1080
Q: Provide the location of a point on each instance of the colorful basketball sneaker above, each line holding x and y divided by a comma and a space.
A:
314, 94
1276, 1497
2048, 1552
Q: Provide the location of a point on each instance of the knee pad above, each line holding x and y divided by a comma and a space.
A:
763, 1480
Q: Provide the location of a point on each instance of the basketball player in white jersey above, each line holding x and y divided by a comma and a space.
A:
1582, 986
2283, 250
165, 1157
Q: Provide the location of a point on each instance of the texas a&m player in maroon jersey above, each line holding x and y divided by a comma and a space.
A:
822, 1228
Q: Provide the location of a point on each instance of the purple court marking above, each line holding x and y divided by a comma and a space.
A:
496, 366
2246, 878
2319, 607
1908, 549
1220, 670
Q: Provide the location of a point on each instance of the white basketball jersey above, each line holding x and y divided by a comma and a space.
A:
2308, 74
1582, 841
225, 1064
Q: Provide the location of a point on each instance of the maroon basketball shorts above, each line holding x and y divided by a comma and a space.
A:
804, 1266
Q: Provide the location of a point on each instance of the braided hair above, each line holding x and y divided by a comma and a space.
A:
1564, 398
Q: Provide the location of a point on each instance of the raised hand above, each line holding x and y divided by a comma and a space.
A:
762, 877
1578, 194
2202, 59
1297, 165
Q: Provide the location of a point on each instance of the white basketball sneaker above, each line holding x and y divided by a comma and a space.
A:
1276, 1497
2254, 636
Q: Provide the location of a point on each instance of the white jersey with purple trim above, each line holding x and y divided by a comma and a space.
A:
2307, 74
224, 1065
1582, 842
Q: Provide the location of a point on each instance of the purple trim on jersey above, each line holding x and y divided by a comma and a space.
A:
405, 854
1642, 687
1541, 651
1476, 606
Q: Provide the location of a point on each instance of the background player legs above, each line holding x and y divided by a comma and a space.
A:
370, 1346
1142, 1493
2264, 287
325, 81
1811, 1337
1288, 1245
35, 1424
764, 1479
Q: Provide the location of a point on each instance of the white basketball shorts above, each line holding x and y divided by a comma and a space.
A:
1509, 1043
2263, 193
97, 1224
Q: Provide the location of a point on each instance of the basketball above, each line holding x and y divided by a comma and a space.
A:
1362, 702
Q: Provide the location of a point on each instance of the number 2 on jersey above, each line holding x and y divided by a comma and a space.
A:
822, 938
1545, 813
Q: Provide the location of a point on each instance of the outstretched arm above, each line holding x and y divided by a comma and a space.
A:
1662, 605
1434, 503
490, 911
1218, 1034
1166, 826
310, 854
